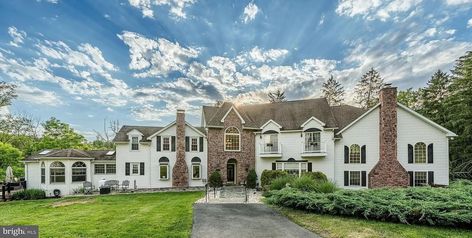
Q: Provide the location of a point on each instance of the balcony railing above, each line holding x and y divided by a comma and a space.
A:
314, 147
270, 149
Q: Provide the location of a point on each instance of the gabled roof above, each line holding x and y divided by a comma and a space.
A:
200, 130
312, 119
72, 153
237, 113
271, 121
122, 136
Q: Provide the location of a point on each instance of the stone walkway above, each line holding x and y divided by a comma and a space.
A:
243, 220
231, 194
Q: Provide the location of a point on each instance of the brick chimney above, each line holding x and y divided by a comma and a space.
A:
388, 172
180, 170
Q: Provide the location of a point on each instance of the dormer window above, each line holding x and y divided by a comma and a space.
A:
312, 140
134, 143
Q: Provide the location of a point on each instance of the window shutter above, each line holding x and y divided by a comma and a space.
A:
274, 167
158, 143
363, 154
310, 168
363, 178
346, 155
127, 169
141, 168
410, 175
172, 145
430, 177
430, 153
346, 178
201, 143
410, 154
187, 143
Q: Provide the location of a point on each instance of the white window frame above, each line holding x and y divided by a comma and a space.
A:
191, 143
74, 169
53, 181
132, 173
239, 137
131, 143
166, 165
281, 166
43, 173
360, 178
350, 152
199, 170
414, 178
310, 135
425, 153
162, 143
106, 168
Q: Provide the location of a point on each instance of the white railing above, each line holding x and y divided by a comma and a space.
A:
314, 147
270, 148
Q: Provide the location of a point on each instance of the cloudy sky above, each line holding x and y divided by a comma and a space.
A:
139, 60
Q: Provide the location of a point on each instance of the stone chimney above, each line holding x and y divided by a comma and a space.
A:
180, 170
388, 172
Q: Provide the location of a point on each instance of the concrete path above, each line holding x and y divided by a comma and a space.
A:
242, 220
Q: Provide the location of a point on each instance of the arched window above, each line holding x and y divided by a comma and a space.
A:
196, 168
79, 172
232, 139
43, 173
163, 168
355, 154
57, 172
420, 152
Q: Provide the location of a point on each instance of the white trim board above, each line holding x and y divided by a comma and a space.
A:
237, 113
312, 118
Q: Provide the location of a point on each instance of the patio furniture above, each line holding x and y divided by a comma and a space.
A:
88, 187
125, 185
113, 184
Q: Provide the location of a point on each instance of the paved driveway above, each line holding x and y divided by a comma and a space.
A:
242, 220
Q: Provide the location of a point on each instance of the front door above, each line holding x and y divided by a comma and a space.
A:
231, 172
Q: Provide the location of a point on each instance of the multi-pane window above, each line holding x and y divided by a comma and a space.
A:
312, 141
111, 168
355, 154
164, 168
421, 178
271, 143
79, 172
354, 178
135, 168
134, 143
166, 143
295, 168
196, 168
420, 152
43, 173
57, 172
194, 144
105, 168
232, 139
99, 169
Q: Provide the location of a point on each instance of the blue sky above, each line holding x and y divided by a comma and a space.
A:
139, 60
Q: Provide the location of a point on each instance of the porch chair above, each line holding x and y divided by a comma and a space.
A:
125, 185
88, 187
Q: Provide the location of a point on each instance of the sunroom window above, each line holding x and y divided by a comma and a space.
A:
43, 173
57, 172
79, 172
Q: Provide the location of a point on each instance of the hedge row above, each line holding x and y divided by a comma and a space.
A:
450, 206
29, 194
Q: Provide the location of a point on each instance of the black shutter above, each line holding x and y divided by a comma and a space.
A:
187, 143
127, 169
158, 143
363, 154
310, 168
410, 154
410, 175
430, 153
363, 178
172, 143
274, 167
346, 155
346, 178
141, 168
430, 177
201, 143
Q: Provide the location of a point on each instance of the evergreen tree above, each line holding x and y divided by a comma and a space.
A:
433, 96
333, 91
277, 96
410, 98
368, 89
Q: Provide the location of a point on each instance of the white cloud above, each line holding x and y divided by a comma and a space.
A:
17, 36
250, 12
176, 7
38, 96
321, 20
375, 9
469, 23
156, 57
458, 2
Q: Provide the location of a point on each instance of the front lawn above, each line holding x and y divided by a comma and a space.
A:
131, 215
336, 226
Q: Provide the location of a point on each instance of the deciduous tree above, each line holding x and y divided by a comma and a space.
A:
368, 89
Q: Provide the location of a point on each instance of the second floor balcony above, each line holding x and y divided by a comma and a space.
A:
270, 150
313, 149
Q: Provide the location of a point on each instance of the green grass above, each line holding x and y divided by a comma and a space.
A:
335, 226
131, 215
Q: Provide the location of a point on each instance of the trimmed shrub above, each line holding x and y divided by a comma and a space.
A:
281, 182
268, 175
304, 183
450, 206
325, 186
316, 175
29, 194
215, 180
251, 179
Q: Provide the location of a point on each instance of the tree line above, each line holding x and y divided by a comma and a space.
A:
446, 99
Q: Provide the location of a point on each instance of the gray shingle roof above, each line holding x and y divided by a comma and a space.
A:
147, 131
290, 114
72, 153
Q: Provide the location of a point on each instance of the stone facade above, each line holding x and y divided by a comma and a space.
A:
218, 157
388, 171
180, 170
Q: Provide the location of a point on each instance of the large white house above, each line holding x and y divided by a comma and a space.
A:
388, 145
